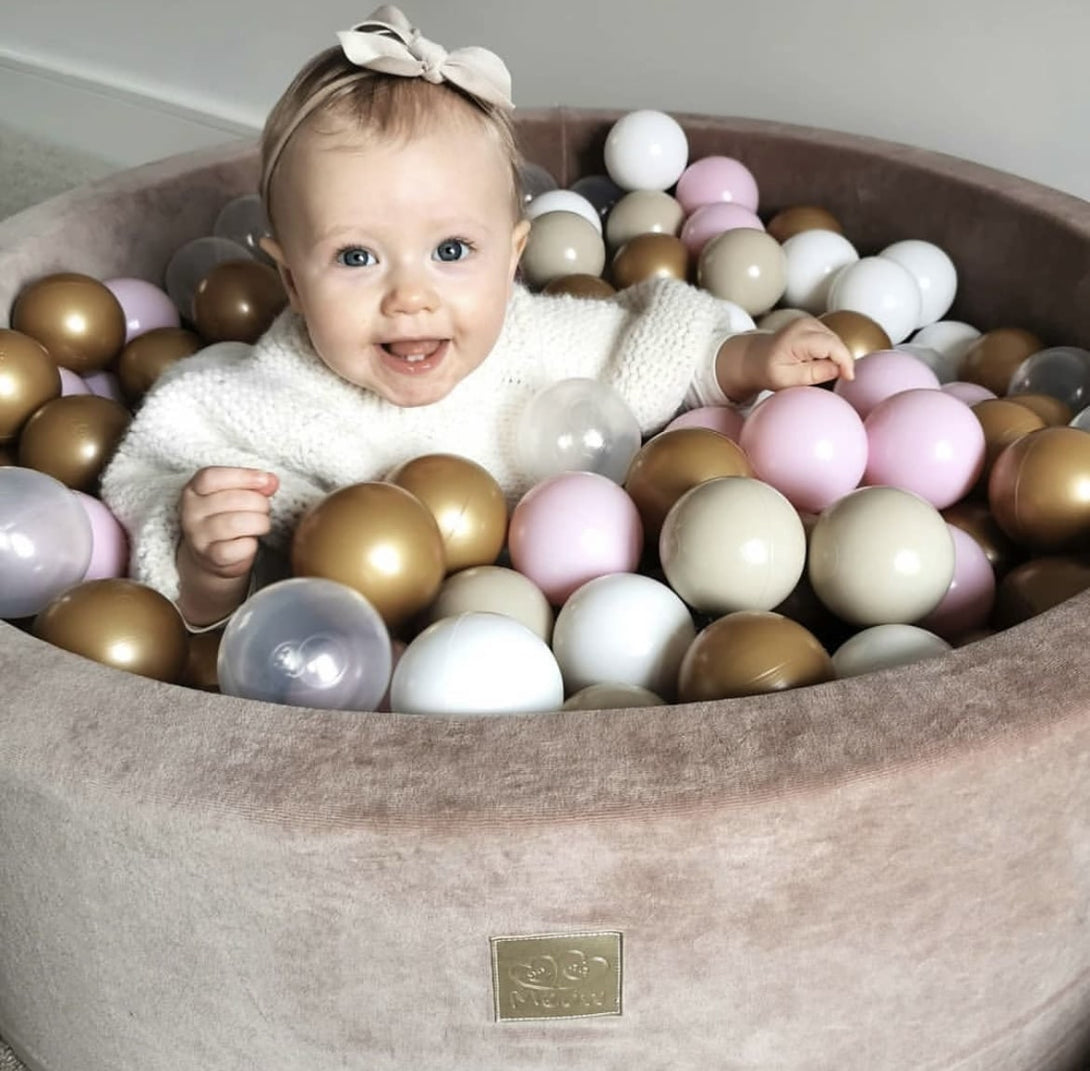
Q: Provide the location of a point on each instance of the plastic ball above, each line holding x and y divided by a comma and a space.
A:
1052, 411
1062, 372
781, 317
934, 272
1002, 422
118, 623
642, 212
577, 424
646, 150
600, 190
732, 543
813, 259
1038, 585
885, 647
498, 590
76, 318
191, 262
673, 462
973, 517
145, 305
968, 602
45, 540
572, 527
808, 443
969, 394
237, 301
476, 663
625, 628
109, 540
535, 180
751, 653
202, 654
243, 220
950, 337
715, 180
72, 438
466, 501
1037, 490
880, 375
795, 219
72, 382
561, 243
926, 442
106, 385
993, 358
881, 555
860, 333
306, 642
29, 378
649, 256
580, 285
612, 696
378, 539
149, 355
944, 367
724, 419
707, 221
882, 289
564, 201
745, 266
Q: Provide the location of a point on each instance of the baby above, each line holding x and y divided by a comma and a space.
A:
391, 179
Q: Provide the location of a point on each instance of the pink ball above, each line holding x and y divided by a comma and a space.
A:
709, 220
571, 528
927, 442
109, 541
105, 385
72, 382
716, 178
144, 304
724, 419
881, 374
968, 602
807, 443
969, 393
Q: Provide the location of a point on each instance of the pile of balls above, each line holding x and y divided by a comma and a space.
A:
822, 533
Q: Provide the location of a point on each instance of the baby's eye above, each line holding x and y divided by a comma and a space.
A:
453, 249
355, 257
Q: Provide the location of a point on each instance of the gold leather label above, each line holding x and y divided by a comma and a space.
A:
556, 975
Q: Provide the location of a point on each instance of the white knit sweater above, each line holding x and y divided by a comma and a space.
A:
277, 407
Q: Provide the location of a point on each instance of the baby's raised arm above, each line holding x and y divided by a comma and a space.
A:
224, 512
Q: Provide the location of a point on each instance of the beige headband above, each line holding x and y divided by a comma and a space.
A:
388, 44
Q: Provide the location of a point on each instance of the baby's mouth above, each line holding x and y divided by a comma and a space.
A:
413, 350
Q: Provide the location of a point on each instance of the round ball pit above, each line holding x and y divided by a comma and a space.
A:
884, 872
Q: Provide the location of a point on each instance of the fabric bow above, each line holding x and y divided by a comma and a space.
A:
386, 42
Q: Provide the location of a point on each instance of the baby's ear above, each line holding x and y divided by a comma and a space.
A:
272, 248
518, 242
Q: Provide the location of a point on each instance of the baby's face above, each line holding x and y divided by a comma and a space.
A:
399, 254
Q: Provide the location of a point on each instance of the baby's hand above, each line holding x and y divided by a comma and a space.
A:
803, 352
224, 512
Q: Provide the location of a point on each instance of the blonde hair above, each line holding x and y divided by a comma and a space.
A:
384, 104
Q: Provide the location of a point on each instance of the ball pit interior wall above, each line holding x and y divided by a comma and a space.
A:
889, 871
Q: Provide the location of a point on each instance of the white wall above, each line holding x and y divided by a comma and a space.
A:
1002, 82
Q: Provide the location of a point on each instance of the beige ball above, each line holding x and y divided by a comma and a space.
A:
746, 266
498, 590
643, 212
561, 243
612, 696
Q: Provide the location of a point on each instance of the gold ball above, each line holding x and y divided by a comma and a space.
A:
73, 437
1052, 411
798, 218
581, 286
751, 652
671, 463
857, 331
466, 502
237, 301
1036, 586
201, 664
28, 379
380, 540
1003, 422
650, 256
146, 357
991, 359
77, 318
119, 623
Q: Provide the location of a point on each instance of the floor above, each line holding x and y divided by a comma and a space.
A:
33, 170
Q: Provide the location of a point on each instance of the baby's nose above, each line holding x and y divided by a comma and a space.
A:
408, 291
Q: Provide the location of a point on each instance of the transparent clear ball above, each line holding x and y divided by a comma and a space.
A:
1061, 372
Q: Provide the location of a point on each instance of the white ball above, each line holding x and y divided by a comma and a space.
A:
813, 259
945, 369
934, 273
476, 663
885, 646
646, 150
564, 201
952, 338
882, 289
623, 628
